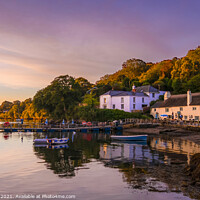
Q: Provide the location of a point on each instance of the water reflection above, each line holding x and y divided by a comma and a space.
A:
177, 146
156, 165
65, 160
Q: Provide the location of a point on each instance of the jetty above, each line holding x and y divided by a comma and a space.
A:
95, 129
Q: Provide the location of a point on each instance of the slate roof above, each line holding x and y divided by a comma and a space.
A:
112, 92
125, 93
178, 100
157, 104
146, 88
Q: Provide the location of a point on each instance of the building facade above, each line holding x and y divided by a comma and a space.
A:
183, 106
130, 101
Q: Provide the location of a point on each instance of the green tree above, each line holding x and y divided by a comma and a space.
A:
84, 84
59, 97
194, 84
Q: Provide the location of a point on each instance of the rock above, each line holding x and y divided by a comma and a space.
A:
175, 190
154, 189
137, 186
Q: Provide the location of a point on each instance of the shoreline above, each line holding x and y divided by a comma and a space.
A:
161, 130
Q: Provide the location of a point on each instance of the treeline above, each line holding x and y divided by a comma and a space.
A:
176, 75
17, 110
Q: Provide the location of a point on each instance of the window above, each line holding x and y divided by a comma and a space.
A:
133, 99
104, 100
194, 108
113, 106
181, 108
144, 105
153, 95
190, 116
133, 106
104, 107
142, 99
122, 100
122, 106
155, 109
166, 109
185, 117
196, 117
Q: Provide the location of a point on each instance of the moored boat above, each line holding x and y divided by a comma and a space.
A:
57, 141
130, 137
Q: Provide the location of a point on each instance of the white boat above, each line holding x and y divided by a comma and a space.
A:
51, 141
57, 141
130, 137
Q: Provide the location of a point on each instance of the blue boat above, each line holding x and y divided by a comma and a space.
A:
130, 137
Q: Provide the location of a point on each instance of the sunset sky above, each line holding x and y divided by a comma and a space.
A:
42, 39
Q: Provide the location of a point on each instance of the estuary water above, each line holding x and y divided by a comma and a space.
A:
93, 167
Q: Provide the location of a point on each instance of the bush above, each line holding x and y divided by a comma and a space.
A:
102, 115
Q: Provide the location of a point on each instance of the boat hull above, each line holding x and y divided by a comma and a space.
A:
129, 138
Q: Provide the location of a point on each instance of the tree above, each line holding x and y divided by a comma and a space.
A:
59, 97
90, 100
84, 84
5, 106
194, 84
178, 86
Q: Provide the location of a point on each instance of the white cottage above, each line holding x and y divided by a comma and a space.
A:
130, 101
174, 106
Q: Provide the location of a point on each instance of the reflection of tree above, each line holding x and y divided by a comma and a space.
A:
59, 160
64, 162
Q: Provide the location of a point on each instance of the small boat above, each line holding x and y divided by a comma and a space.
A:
130, 137
57, 141
51, 141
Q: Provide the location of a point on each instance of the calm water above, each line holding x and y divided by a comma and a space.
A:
92, 167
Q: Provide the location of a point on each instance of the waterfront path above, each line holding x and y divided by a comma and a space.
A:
77, 129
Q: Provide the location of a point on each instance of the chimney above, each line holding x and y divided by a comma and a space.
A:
167, 95
189, 97
133, 88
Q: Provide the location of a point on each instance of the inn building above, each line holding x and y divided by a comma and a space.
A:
130, 101
185, 105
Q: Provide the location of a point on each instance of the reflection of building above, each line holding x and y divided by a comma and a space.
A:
131, 152
158, 167
184, 147
185, 105
129, 101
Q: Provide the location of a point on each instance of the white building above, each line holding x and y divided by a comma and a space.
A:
130, 101
186, 105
